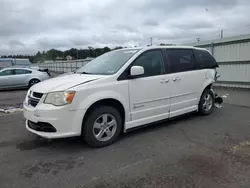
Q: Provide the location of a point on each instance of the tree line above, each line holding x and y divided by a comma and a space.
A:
54, 54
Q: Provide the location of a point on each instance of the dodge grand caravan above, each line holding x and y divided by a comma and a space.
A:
122, 90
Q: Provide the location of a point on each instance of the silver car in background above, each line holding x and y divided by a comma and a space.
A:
17, 77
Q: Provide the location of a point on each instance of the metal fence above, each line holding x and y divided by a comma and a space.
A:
64, 66
234, 74
233, 56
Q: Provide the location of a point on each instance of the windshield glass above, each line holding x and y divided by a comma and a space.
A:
108, 63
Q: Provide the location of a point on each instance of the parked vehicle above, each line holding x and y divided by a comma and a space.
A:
20, 77
8, 62
21, 62
122, 90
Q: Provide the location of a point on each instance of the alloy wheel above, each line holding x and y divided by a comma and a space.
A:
104, 127
208, 102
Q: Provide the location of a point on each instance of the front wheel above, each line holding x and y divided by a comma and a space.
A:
33, 82
206, 102
102, 126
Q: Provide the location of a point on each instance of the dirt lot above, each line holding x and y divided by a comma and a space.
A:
194, 151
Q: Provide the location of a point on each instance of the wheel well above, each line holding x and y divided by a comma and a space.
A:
208, 87
107, 102
34, 79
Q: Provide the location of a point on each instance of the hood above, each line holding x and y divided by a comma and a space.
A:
62, 83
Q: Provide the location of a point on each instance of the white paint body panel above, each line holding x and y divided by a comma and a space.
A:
145, 100
149, 98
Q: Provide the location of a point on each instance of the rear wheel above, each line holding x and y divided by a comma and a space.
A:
102, 126
33, 82
206, 102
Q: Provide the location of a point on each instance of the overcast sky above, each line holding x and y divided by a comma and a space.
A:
27, 26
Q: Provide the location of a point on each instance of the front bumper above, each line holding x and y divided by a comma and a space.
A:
66, 122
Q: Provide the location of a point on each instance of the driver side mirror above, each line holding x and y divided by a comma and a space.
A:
136, 71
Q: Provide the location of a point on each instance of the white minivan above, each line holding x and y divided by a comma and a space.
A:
122, 90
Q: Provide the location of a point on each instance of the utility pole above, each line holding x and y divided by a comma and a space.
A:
151, 41
221, 34
198, 39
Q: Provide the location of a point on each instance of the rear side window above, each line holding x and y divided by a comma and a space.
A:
181, 60
204, 60
22, 71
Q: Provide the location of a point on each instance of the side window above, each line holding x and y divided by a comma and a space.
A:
22, 71
152, 62
7, 73
181, 60
204, 59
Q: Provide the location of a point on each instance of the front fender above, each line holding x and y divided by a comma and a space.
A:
97, 96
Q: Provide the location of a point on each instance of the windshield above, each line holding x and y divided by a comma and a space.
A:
108, 63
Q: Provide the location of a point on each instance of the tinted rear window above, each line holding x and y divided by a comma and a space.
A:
204, 59
22, 71
181, 60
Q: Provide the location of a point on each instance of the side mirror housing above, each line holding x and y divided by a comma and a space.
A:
136, 71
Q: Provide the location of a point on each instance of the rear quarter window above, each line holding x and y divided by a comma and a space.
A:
22, 71
204, 60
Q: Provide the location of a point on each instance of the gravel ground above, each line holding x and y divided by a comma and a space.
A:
193, 151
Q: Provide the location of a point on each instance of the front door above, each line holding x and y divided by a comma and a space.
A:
150, 94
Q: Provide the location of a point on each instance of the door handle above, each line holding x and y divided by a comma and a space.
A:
176, 79
164, 81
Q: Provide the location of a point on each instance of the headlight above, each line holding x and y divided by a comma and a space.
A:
60, 98
27, 97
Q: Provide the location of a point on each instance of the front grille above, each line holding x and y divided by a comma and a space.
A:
33, 102
34, 98
37, 95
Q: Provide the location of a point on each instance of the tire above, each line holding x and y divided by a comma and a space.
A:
91, 130
33, 82
206, 103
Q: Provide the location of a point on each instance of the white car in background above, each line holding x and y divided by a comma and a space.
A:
122, 90
19, 77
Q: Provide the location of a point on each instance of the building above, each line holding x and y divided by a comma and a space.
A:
233, 57
68, 58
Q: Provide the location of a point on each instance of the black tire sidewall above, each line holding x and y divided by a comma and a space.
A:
32, 80
87, 129
201, 110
